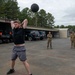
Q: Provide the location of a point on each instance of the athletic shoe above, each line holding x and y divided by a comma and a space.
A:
10, 71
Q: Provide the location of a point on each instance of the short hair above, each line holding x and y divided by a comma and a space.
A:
17, 21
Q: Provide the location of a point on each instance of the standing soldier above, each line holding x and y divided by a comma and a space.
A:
49, 40
72, 39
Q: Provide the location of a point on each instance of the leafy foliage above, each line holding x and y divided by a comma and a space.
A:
9, 10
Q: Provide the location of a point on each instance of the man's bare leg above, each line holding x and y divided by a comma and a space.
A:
27, 67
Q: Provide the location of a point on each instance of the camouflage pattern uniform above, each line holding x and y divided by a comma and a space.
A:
49, 40
72, 39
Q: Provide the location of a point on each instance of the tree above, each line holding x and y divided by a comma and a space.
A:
50, 20
24, 14
57, 26
42, 18
27, 13
10, 9
71, 28
62, 26
2, 8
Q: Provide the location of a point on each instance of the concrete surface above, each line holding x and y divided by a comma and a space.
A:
57, 61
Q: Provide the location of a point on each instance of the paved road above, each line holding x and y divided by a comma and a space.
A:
57, 61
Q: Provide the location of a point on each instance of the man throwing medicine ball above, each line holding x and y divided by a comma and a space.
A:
19, 46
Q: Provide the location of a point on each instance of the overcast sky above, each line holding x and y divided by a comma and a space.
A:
62, 10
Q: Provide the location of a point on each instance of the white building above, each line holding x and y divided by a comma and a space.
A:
63, 32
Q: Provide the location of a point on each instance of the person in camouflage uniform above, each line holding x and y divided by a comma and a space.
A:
49, 40
72, 37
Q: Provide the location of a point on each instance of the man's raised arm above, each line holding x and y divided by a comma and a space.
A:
12, 24
25, 22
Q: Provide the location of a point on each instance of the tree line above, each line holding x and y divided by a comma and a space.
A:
9, 9
70, 27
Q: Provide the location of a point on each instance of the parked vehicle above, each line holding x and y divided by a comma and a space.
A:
5, 32
32, 35
42, 35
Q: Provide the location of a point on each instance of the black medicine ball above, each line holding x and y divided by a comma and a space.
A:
34, 7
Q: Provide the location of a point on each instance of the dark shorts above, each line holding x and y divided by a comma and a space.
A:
19, 51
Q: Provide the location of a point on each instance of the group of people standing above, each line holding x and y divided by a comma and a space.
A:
72, 38
49, 40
